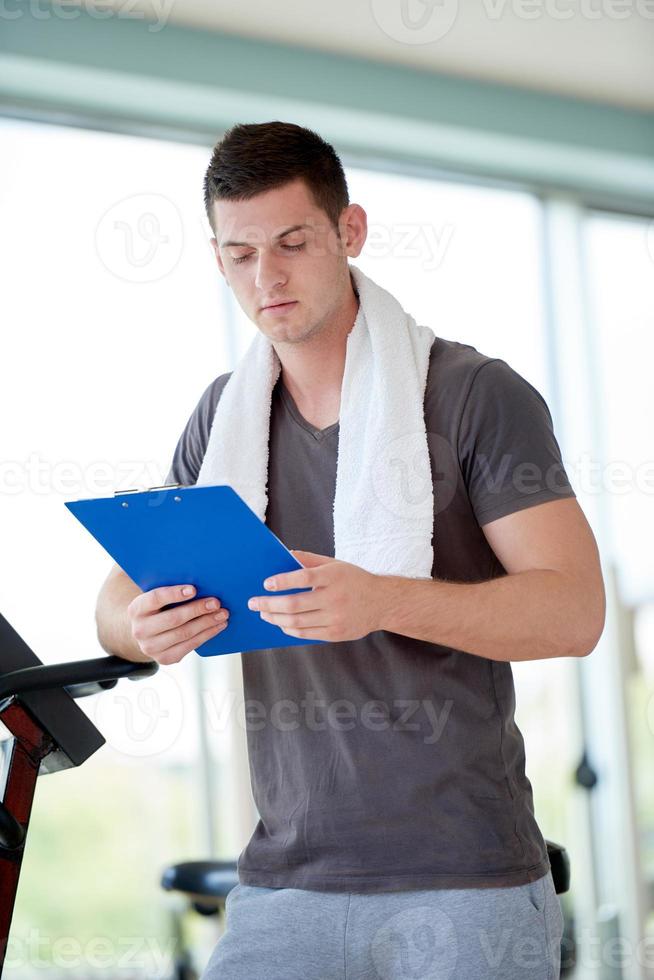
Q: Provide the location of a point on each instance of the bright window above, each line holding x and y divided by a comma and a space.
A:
620, 254
113, 325
118, 320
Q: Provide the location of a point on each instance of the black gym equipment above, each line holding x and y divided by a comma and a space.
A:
50, 733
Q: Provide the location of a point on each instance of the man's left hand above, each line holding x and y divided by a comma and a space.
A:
344, 603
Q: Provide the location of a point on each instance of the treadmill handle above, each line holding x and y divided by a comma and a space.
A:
101, 671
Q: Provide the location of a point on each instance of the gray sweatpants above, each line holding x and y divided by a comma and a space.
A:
432, 934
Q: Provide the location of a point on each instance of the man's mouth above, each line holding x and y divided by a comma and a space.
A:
287, 304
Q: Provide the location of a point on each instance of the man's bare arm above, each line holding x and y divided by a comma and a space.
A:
136, 625
112, 622
550, 604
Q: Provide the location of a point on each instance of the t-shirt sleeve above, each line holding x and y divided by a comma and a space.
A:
192, 443
508, 453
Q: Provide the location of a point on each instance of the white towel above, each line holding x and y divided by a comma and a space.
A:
384, 499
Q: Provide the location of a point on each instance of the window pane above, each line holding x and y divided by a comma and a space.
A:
621, 277
463, 260
115, 323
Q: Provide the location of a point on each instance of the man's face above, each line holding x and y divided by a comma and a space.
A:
280, 248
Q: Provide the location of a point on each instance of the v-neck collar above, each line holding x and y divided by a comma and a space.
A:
289, 401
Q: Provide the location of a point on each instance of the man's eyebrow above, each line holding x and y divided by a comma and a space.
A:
282, 234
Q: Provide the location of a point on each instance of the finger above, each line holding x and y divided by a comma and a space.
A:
300, 602
175, 652
168, 619
299, 579
293, 620
155, 599
179, 651
152, 644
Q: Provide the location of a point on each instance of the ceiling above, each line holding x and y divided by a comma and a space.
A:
600, 50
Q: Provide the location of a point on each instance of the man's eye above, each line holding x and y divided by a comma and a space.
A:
289, 248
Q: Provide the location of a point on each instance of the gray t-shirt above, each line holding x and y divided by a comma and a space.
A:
391, 763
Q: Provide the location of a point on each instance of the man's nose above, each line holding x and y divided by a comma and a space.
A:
270, 273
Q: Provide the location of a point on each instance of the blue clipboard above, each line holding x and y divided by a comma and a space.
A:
206, 536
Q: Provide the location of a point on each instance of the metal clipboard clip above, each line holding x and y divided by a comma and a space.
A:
152, 502
166, 486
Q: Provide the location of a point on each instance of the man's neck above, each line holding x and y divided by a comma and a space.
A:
313, 373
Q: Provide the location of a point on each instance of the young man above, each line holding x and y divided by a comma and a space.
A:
396, 836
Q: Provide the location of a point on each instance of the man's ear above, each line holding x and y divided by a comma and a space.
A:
353, 225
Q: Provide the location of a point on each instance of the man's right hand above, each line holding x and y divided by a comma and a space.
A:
167, 635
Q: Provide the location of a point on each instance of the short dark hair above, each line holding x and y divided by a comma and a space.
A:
256, 157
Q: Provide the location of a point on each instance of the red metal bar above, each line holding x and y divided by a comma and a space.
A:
31, 745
